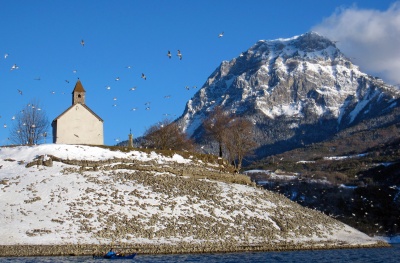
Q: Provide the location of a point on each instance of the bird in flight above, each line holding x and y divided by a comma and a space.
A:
132, 89
117, 78
19, 91
82, 43
5, 55
221, 34
169, 54
179, 54
144, 76
14, 67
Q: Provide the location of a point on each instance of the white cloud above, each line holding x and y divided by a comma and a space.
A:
371, 38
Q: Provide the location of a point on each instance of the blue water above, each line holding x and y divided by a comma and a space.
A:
386, 255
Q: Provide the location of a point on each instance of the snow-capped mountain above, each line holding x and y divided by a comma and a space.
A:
297, 91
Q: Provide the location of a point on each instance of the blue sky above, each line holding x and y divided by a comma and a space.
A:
124, 39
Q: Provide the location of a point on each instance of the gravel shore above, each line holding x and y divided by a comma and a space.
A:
183, 248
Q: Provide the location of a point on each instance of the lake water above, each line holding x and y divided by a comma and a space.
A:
386, 255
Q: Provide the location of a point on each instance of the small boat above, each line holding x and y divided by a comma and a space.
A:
117, 256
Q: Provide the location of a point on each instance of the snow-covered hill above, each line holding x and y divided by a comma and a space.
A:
296, 91
72, 194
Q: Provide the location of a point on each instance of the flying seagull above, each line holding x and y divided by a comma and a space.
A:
179, 54
144, 76
221, 34
82, 43
19, 91
169, 54
14, 67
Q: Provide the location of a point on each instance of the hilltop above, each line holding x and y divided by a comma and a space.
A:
75, 199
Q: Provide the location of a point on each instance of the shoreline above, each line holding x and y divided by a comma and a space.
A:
184, 248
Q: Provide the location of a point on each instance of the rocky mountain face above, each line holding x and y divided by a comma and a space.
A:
297, 91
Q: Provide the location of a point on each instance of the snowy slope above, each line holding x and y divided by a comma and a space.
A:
127, 198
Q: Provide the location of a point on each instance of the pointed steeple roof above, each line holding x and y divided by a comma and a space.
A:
78, 95
78, 87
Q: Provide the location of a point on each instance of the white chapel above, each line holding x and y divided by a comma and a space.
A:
78, 124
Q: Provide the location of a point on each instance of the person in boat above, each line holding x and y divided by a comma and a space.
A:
110, 254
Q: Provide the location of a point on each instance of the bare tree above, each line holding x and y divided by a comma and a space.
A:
166, 135
216, 126
239, 140
30, 125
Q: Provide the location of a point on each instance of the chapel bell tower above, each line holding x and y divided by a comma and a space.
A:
78, 95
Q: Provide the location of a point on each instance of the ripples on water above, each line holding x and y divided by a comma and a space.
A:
386, 255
